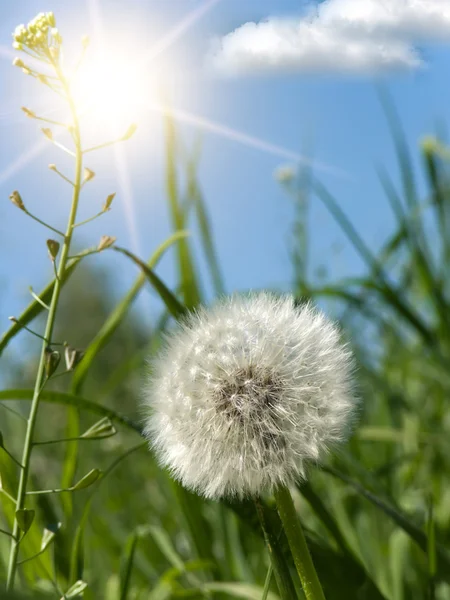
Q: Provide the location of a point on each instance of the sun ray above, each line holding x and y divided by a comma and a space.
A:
5, 52
126, 191
247, 140
181, 27
17, 165
123, 178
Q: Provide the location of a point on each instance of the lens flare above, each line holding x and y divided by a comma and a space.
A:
111, 91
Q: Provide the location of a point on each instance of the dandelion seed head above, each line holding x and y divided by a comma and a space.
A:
244, 395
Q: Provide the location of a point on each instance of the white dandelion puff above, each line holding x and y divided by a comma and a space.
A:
245, 394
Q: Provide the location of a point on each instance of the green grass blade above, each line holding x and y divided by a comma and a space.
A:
70, 463
34, 309
265, 592
173, 305
196, 197
72, 400
77, 552
199, 530
186, 272
239, 590
127, 566
431, 552
164, 543
414, 532
323, 514
118, 314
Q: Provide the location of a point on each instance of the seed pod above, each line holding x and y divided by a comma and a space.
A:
106, 206
106, 241
53, 249
48, 133
72, 357
88, 174
28, 112
16, 199
52, 360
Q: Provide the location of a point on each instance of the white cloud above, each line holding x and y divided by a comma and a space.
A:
338, 36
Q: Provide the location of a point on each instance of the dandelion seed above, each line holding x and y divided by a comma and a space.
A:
246, 394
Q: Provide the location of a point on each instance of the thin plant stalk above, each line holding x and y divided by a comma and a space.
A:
41, 375
279, 565
297, 543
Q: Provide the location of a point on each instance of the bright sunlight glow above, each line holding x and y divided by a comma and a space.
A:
111, 91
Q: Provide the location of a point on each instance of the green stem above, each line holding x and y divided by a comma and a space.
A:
90, 219
40, 377
297, 542
280, 566
6, 533
44, 223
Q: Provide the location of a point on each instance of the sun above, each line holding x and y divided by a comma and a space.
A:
111, 90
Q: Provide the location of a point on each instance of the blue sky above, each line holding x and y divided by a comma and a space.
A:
285, 91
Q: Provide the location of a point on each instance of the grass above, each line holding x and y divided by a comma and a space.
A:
376, 516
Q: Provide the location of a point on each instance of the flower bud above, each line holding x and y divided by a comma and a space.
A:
28, 112
26, 70
18, 62
19, 33
43, 79
48, 133
53, 248
108, 202
56, 35
88, 174
51, 19
17, 46
106, 241
52, 167
16, 199
285, 174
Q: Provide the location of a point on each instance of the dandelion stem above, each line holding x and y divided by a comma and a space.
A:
40, 377
279, 565
297, 542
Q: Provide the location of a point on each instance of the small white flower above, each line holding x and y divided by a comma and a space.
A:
285, 173
246, 393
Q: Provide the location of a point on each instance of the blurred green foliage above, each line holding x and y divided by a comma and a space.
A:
377, 516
